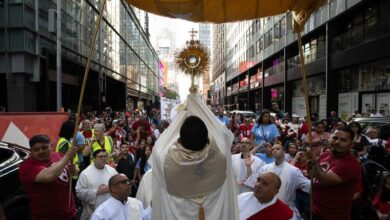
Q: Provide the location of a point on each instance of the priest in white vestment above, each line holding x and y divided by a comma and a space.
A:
192, 173
144, 192
291, 177
92, 186
120, 206
262, 203
243, 164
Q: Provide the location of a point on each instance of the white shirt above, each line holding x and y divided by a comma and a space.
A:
113, 209
249, 205
294, 127
89, 181
291, 177
240, 171
156, 133
144, 192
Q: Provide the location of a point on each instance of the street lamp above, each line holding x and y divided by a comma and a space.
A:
55, 28
59, 63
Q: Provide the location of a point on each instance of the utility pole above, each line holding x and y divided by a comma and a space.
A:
59, 63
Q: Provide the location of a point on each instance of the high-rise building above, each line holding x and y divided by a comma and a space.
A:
124, 71
218, 60
165, 47
346, 54
204, 38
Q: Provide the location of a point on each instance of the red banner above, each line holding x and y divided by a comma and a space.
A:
18, 128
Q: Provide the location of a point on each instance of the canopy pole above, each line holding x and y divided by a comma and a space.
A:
308, 115
86, 73
304, 82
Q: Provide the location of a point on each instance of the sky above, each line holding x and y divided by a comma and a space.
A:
181, 29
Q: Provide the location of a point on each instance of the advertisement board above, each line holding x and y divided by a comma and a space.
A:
18, 128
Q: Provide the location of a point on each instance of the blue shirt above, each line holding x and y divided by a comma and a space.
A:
146, 168
265, 133
224, 120
263, 157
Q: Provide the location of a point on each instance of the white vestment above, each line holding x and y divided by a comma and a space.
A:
292, 179
89, 181
218, 204
144, 192
240, 171
249, 205
113, 209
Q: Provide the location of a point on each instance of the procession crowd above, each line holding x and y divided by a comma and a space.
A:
278, 167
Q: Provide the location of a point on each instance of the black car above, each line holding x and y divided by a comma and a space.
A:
13, 200
383, 123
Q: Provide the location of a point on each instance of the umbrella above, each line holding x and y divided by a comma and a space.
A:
222, 11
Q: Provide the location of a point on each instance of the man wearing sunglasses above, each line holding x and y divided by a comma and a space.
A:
120, 206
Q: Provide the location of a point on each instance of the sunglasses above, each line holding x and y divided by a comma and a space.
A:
125, 181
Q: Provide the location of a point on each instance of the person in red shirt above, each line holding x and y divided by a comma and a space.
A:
335, 178
381, 202
141, 129
246, 128
45, 179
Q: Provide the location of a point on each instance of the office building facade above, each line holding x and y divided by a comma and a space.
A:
346, 56
124, 71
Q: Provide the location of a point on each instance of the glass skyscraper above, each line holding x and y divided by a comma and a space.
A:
124, 71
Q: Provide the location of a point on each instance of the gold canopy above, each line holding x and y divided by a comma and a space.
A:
221, 11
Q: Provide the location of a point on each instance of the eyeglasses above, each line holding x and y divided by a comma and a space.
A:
102, 156
40, 148
125, 181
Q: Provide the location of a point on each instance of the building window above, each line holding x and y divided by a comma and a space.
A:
2, 20
348, 81
16, 40
2, 40
16, 15
29, 41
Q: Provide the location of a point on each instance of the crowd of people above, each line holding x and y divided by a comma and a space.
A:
277, 168
343, 163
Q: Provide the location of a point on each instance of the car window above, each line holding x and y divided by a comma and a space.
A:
384, 127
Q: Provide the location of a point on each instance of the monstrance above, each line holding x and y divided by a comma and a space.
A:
193, 60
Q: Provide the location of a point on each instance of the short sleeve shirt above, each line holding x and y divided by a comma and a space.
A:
335, 202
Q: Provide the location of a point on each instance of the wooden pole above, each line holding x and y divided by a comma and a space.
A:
86, 73
308, 115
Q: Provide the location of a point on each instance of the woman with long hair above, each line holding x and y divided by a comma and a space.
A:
360, 142
381, 202
142, 164
319, 138
264, 132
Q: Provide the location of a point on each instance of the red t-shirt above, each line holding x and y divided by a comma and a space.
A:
335, 202
47, 200
145, 131
246, 131
303, 168
383, 207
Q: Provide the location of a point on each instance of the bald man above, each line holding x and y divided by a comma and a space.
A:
120, 206
262, 203
292, 178
243, 164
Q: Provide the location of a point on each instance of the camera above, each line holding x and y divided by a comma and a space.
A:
302, 148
